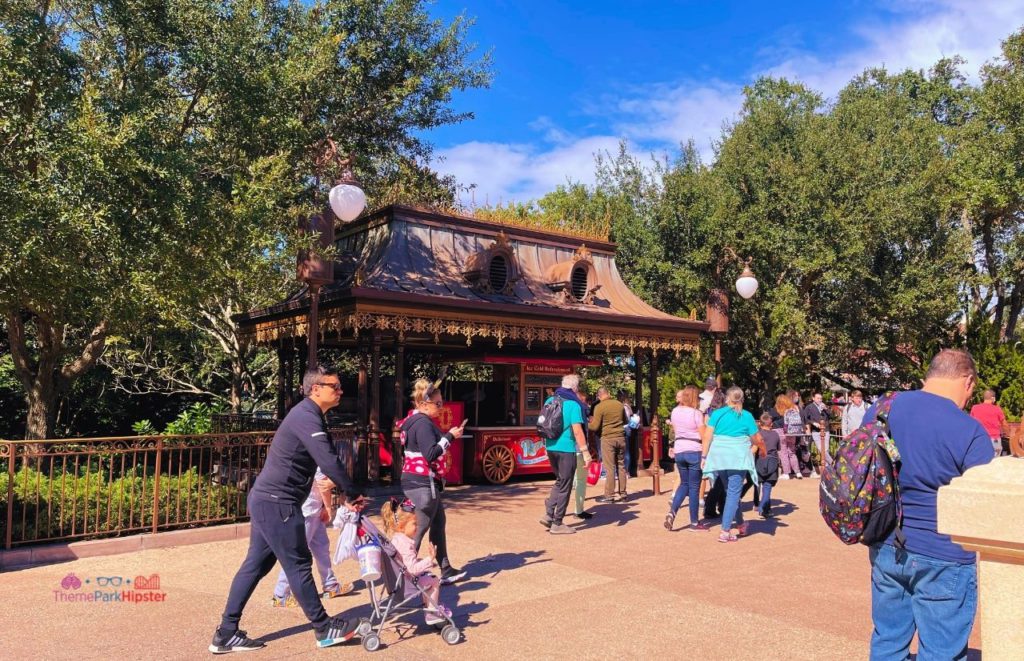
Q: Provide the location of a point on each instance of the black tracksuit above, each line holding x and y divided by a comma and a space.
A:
277, 530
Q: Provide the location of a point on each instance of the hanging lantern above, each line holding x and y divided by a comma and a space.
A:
347, 201
746, 284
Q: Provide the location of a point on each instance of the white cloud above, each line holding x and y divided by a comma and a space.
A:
659, 117
924, 33
668, 115
517, 172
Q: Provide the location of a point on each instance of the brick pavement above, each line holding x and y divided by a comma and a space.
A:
623, 588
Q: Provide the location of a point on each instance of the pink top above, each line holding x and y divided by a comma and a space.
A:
990, 416
686, 424
406, 548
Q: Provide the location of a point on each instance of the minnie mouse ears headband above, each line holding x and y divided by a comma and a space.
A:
432, 388
401, 506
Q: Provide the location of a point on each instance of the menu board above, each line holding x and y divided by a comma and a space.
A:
533, 399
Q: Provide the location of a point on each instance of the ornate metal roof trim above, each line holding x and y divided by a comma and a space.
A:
338, 321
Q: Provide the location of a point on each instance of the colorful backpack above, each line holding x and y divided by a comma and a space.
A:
859, 494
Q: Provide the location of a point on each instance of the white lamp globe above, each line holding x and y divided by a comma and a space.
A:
746, 284
347, 201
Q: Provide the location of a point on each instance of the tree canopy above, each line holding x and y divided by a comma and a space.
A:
157, 157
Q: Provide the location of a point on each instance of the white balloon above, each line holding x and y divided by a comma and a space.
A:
347, 201
746, 286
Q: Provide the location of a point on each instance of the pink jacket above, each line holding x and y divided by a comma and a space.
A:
406, 548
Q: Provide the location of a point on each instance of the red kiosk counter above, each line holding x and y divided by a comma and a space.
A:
498, 452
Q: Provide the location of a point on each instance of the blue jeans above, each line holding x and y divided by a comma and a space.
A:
766, 496
732, 513
688, 464
625, 460
909, 592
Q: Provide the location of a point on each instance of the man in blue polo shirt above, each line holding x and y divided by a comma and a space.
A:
930, 586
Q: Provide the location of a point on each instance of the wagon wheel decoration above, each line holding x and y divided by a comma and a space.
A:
498, 464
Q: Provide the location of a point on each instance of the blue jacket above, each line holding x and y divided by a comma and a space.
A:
300, 445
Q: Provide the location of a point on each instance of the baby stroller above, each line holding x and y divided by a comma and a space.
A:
388, 595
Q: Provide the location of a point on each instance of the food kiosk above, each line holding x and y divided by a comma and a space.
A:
529, 305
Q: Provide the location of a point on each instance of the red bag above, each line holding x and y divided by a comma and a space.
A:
593, 473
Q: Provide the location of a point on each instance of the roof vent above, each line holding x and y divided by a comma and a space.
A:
579, 282
498, 273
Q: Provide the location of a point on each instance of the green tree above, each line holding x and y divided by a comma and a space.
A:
989, 160
158, 156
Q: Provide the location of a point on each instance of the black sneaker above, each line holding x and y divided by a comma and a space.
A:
451, 575
338, 631
583, 516
236, 641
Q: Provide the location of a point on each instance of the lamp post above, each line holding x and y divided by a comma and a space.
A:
718, 307
346, 201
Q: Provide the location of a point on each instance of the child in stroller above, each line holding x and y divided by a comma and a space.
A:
404, 577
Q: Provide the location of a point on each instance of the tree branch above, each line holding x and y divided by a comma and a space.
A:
92, 350
19, 350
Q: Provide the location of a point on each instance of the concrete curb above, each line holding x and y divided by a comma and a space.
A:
31, 556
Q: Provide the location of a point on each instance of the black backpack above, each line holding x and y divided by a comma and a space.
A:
549, 422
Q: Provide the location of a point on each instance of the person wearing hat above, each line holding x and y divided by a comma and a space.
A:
710, 386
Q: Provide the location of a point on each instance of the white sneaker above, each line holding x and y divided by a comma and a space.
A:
784, 477
815, 474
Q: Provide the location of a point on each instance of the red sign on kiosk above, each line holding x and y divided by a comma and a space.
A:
452, 415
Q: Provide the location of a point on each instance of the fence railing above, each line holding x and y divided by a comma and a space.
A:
75, 489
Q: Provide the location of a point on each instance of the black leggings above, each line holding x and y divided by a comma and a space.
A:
430, 517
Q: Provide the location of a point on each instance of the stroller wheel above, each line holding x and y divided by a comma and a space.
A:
450, 634
365, 627
371, 643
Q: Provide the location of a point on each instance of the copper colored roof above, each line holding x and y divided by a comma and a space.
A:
417, 272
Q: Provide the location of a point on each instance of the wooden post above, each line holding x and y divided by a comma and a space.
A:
313, 327
301, 375
652, 381
280, 382
373, 447
656, 453
289, 378
396, 442
362, 414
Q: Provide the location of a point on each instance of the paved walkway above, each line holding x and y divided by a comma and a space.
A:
623, 588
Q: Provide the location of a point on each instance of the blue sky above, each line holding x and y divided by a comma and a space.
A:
572, 78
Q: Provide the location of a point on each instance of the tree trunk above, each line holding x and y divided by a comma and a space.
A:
45, 376
42, 408
237, 375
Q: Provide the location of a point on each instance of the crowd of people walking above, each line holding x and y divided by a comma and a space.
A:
720, 451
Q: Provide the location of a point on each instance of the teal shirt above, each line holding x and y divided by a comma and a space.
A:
727, 423
572, 414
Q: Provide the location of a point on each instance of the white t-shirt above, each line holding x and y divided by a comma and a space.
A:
705, 400
314, 503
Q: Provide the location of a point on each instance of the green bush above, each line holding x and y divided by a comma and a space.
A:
88, 504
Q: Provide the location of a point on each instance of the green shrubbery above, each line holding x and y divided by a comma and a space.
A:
63, 503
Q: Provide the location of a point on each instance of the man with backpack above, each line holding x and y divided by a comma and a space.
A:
561, 424
930, 585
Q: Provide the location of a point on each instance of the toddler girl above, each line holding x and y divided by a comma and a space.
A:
400, 527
